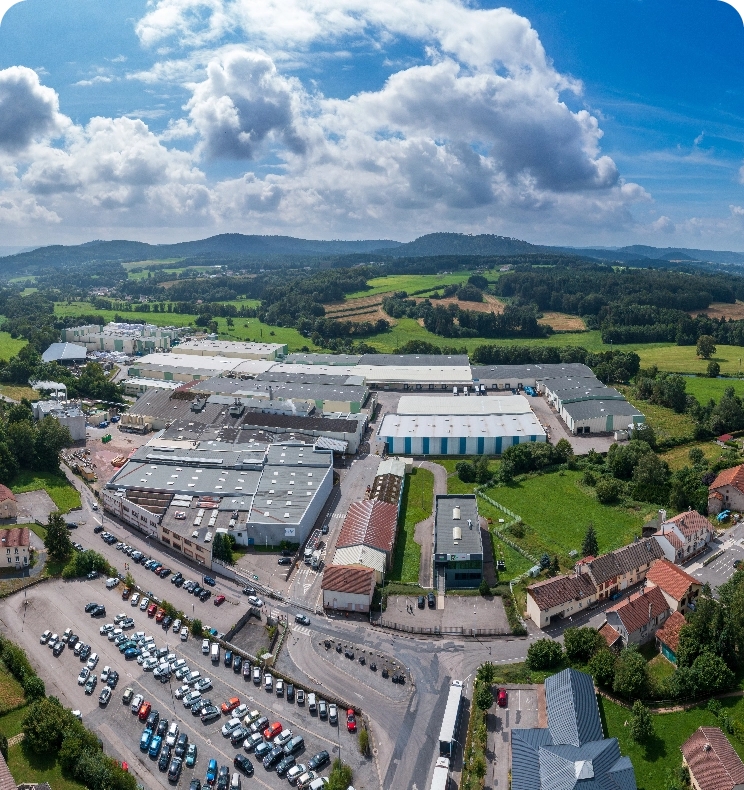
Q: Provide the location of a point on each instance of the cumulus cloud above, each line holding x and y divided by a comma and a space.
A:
663, 225
28, 109
244, 101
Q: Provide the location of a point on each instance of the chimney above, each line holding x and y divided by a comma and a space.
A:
706, 747
662, 516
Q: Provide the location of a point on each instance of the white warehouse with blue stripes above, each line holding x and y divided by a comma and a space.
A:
452, 425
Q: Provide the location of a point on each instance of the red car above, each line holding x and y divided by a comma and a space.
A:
144, 711
160, 616
502, 698
350, 720
272, 731
230, 705
151, 609
219, 599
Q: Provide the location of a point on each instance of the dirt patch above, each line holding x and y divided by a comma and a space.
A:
490, 304
365, 308
722, 310
563, 321
101, 455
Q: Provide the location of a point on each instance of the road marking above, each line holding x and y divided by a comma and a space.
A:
300, 629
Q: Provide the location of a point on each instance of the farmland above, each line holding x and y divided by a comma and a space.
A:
705, 389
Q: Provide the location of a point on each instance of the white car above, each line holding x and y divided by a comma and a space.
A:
203, 684
182, 691
184, 634
105, 629
150, 664
250, 743
45, 637
105, 674
136, 703
253, 600
177, 625
172, 735
268, 681
142, 657
190, 698
104, 696
240, 711
92, 661
177, 664
181, 672
144, 603
83, 676
279, 687
283, 738
205, 645
192, 677
134, 600
113, 634
229, 727
53, 640
119, 617
295, 772
67, 634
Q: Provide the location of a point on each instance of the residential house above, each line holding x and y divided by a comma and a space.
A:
8, 503
684, 536
348, 588
680, 589
15, 544
571, 752
612, 637
712, 761
622, 568
561, 596
667, 637
726, 492
638, 618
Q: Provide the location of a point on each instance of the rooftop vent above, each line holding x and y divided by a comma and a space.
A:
455, 513
470, 524
456, 533
198, 404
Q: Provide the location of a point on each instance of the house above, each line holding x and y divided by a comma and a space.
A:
712, 761
611, 636
15, 545
684, 536
622, 568
726, 492
667, 637
561, 596
8, 503
348, 588
571, 752
638, 618
680, 589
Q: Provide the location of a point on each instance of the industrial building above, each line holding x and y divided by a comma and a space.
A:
367, 536
65, 354
138, 387
562, 391
517, 377
348, 588
600, 416
128, 339
232, 348
414, 360
458, 546
322, 359
187, 367
448, 405
488, 434
415, 377
65, 413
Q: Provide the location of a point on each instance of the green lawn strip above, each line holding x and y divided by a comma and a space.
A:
454, 484
11, 691
418, 499
705, 389
37, 768
8, 346
666, 422
37, 529
557, 512
516, 564
12, 723
678, 457
64, 495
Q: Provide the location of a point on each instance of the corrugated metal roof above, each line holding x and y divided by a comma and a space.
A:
487, 425
414, 360
361, 555
573, 715
64, 352
473, 405
451, 375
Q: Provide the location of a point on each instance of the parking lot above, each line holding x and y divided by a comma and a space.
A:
722, 568
522, 711
58, 605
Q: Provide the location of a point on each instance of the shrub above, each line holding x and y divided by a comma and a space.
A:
83, 562
544, 654
483, 587
608, 490
484, 696
581, 643
589, 478
465, 471
641, 723
364, 741
602, 667
197, 629
517, 528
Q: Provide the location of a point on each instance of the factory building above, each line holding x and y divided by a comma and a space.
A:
414, 360
562, 391
65, 354
65, 413
458, 546
139, 387
600, 416
450, 405
488, 434
189, 367
517, 377
323, 359
230, 348
419, 377
128, 339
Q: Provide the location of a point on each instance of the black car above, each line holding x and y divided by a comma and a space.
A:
84, 652
113, 679
167, 622
197, 590
260, 724
237, 738
285, 765
162, 727
318, 761
262, 750
176, 577
223, 778
98, 529
89, 607
58, 648
210, 581
421, 602
179, 582
165, 757
182, 744
205, 595
228, 658
165, 573
196, 785
242, 763
273, 757
432, 600
73, 640
249, 591
237, 664
246, 670
174, 771
284, 561
153, 719
99, 611
290, 692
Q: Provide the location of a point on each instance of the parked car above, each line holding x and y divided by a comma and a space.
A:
252, 740
174, 770
230, 705
229, 727
242, 763
318, 760
104, 696
126, 697
300, 697
272, 731
502, 698
137, 703
90, 684
351, 724
212, 772
191, 755
333, 714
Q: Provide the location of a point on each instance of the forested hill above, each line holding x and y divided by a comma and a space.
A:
638, 252
462, 244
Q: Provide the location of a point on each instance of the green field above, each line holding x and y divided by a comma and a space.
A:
64, 495
8, 346
705, 389
418, 501
557, 512
654, 760
412, 282
34, 768
666, 422
683, 359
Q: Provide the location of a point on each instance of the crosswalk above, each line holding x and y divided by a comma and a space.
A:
301, 629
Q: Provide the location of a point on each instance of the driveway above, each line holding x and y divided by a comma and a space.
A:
522, 711
558, 429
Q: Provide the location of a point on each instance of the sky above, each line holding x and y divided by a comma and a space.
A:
576, 122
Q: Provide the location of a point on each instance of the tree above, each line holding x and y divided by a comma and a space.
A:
544, 654
602, 667
687, 489
57, 540
608, 490
697, 457
222, 548
581, 644
555, 566
486, 672
43, 726
589, 546
706, 346
641, 723
4, 747
484, 696
631, 675
33, 687
51, 437
340, 776
197, 629
465, 471
483, 587
651, 479
713, 370
711, 673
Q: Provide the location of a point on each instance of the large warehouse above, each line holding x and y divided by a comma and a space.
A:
600, 416
449, 404
488, 434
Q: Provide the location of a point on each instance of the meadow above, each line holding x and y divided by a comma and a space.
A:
418, 501
64, 495
705, 389
413, 282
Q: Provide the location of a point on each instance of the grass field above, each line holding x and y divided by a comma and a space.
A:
16, 392
412, 282
9, 347
666, 422
64, 495
678, 457
12, 723
33, 768
557, 512
683, 359
705, 389
11, 691
418, 501
654, 760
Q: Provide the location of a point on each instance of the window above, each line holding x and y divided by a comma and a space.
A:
16, 551
9, 560
8, 551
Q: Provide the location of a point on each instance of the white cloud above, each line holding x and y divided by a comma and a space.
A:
101, 78
28, 110
663, 225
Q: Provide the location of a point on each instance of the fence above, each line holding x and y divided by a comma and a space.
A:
499, 533
436, 631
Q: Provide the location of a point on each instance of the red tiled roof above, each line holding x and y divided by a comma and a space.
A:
717, 767
18, 536
669, 632
725, 437
671, 537
715, 495
730, 477
690, 522
371, 523
6, 778
6, 493
671, 578
611, 636
561, 589
633, 612
355, 579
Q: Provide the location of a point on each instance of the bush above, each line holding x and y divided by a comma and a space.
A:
602, 667
517, 528
364, 741
483, 588
465, 471
608, 490
83, 562
197, 629
589, 478
544, 654
33, 688
484, 696
340, 776
581, 643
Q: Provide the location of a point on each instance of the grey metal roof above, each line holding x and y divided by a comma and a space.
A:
445, 525
285, 493
322, 359
415, 360
591, 409
288, 377
573, 715
531, 371
315, 391
64, 352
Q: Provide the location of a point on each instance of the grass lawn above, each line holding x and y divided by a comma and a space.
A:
16, 392
678, 457
8, 346
29, 767
411, 282
12, 723
683, 359
454, 484
557, 512
660, 669
11, 692
64, 495
418, 501
705, 389
666, 422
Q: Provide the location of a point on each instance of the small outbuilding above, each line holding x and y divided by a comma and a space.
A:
348, 588
8, 503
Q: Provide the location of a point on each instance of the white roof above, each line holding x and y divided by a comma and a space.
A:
457, 426
251, 366
230, 347
217, 363
392, 466
360, 555
155, 383
449, 404
436, 374
316, 370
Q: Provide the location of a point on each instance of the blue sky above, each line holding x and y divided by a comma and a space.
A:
570, 122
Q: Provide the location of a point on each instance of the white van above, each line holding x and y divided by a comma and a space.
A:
454, 390
318, 784
308, 554
315, 560
112, 582
215, 653
311, 704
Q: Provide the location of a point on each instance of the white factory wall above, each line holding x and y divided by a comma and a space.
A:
467, 445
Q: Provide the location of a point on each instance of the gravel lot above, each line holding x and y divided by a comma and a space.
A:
58, 605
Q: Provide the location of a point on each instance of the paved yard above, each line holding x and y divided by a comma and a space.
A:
460, 611
521, 711
35, 506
